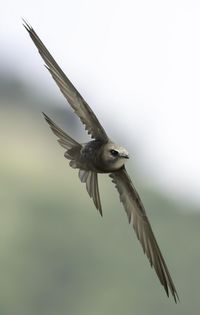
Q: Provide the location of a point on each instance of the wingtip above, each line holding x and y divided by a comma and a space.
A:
174, 294
27, 26
99, 208
176, 297
46, 117
171, 289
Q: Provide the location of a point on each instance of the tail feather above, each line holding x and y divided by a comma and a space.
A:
91, 180
73, 154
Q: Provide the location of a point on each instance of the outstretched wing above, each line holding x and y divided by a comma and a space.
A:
81, 108
65, 140
73, 148
73, 154
91, 180
136, 214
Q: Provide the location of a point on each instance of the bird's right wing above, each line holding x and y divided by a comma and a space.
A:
81, 108
136, 213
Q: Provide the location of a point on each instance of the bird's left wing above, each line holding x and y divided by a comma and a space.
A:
136, 214
81, 108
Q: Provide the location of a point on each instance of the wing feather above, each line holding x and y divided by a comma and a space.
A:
65, 140
79, 105
137, 215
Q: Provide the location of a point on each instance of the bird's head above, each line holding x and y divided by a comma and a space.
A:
114, 155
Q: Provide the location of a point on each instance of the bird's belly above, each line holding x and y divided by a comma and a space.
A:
118, 164
111, 166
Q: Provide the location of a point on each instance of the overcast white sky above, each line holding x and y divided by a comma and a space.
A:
136, 62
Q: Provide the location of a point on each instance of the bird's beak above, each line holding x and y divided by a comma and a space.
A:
124, 156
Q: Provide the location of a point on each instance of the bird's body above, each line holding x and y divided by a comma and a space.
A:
96, 156
101, 155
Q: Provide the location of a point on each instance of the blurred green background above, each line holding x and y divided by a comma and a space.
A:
58, 256
139, 62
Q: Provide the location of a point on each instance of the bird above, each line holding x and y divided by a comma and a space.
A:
102, 156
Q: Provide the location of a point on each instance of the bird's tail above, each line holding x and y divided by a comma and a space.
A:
73, 147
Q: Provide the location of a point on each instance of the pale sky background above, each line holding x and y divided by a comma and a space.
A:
137, 63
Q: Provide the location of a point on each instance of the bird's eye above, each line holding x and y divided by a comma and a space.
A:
114, 152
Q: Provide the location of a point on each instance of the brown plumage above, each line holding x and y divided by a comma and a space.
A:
101, 155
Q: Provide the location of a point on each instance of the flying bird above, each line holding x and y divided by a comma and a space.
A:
102, 155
